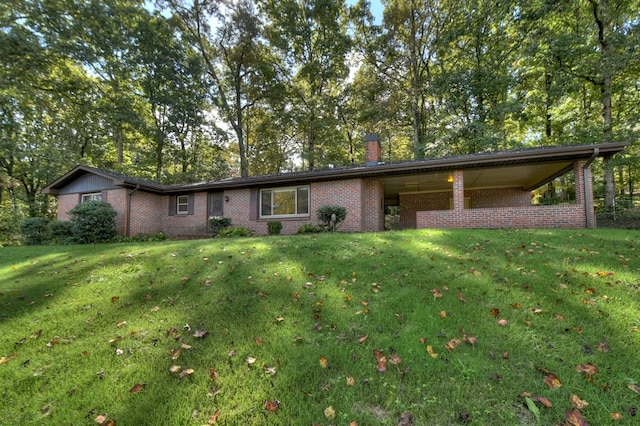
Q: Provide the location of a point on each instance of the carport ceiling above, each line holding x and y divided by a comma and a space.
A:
526, 176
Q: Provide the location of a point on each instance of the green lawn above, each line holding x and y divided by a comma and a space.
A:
470, 327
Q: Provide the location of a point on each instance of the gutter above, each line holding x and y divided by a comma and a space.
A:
127, 231
585, 176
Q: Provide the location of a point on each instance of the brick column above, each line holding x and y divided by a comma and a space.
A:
458, 190
584, 191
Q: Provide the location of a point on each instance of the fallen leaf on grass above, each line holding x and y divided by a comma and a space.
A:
271, 406
187, 372
8, 358
104, 420
634, 387
175, 354
442, 314
214, 417
616, 416
436, 293
552, 381
542, 400
395, 359
495, 312
174, 369
137, 388
431, 352
472, 340
351, 381
503, 322
578, 403
330, 413
516, 305
363, 338
452, 344
588, 369
461, 297
200, 334
155, 309
381, 360
213, 374
574, 417
324, 362
250, 360
258, 341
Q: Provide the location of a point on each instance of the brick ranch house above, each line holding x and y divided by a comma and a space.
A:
489, 190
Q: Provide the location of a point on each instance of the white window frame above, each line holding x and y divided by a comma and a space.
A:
293, 189
182, 204
91, 196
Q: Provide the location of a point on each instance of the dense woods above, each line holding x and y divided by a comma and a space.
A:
187, 90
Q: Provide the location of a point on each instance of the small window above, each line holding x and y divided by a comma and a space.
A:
182, 204
284, 202
94, 196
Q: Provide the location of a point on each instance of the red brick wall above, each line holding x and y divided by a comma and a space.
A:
480, 198
188, 225
562, 216
372, 205
146, 213
118, 200
65, 203
346, 193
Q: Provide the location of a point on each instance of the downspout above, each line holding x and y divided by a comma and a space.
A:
128, 227
585, 176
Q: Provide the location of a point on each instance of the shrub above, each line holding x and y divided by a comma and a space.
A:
217, 224
331, 216
34, 230
236, 231
59, 232
274, 227
309, 228
93, 222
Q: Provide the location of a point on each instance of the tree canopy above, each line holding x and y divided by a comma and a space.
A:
184, 90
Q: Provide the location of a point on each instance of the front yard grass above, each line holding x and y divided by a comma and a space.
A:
433, 327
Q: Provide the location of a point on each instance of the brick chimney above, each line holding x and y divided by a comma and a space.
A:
372, 149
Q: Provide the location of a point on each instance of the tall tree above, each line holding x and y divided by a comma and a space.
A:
311, 38
228, 36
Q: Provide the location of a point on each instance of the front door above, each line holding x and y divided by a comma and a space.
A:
215, 206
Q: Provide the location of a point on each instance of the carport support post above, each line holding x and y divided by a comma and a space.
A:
458, 190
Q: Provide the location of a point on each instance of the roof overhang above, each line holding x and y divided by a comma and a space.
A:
527, 168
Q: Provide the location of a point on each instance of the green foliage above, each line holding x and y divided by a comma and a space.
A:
142, 237
332, 216
309, 228
274, 227
10, 233
217, 224
235, 231
34, 230
93, 222
59, 232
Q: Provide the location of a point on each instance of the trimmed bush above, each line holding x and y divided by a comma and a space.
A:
34, 230
309, 228
93, 222
332, 216
217, 224
59, 232
274, 227
236, 231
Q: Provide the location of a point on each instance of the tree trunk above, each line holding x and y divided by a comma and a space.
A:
601, 17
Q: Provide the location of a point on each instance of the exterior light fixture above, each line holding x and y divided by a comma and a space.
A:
226, 198
450, 179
